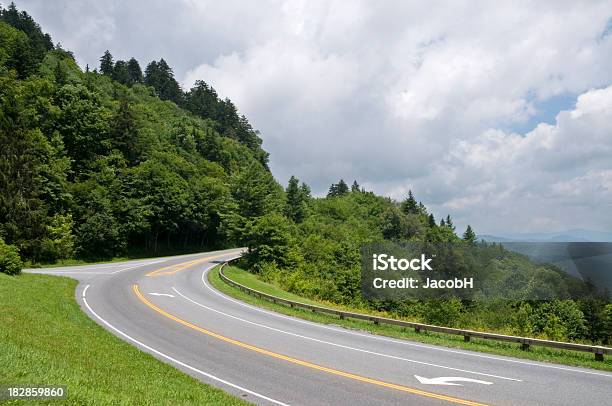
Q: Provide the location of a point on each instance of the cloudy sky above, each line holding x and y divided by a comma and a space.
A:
499, 114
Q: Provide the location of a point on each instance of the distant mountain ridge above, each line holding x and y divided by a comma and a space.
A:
574, 235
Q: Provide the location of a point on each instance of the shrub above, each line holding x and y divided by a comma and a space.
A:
10, 262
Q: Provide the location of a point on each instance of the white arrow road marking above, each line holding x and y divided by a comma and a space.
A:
161, 294
449, 380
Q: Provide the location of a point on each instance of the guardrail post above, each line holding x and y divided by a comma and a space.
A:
524, 346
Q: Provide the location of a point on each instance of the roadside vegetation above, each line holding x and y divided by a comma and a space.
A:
535, 353
47, 339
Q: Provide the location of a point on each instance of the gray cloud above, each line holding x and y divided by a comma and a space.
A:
396, 95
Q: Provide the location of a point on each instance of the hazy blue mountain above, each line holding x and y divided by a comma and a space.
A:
575, 235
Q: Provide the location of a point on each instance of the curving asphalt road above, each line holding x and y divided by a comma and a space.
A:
167, 307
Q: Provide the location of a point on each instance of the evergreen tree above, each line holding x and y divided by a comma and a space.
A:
295, 207
432, 221
449, 222
125, 132
107, 65
355, 187
159, 75
410, 205
469, 235
422, 209
305, 191
134, 72
343, 188
203, 101
121, 73
338, 189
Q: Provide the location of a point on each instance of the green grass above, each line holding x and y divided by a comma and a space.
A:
45, 338
535, 353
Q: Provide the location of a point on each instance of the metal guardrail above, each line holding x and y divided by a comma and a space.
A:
525, 342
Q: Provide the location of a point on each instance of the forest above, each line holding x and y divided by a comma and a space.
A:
115, 160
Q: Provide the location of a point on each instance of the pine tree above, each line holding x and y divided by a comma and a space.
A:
469, 235
355, 187
410, 205
449, 222
121, 73
305, 190
106, 64
125, 132
432, 221
159, 75
134, 71
338, 189
343, 188
295, 207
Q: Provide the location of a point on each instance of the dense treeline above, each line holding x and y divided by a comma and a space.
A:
98, 164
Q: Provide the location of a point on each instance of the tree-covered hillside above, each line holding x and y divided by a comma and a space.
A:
97, 164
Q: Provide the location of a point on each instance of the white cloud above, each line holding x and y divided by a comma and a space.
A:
555, 175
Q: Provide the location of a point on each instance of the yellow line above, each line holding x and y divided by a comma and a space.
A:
303, 363
172, 269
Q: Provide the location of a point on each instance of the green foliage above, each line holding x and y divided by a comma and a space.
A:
10, 262
338, 189
469, 235
59, 241
25, 52
99, 237
203, 101
269, 239
443, 312
410, 205
160, 76
607, 323
297, 200
107, 64
134, 72
397, 226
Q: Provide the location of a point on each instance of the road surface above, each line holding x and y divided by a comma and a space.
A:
168, 308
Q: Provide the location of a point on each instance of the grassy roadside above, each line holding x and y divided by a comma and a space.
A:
535, 353
45, 338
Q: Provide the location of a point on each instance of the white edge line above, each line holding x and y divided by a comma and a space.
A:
341, 345
161, 354
397, 341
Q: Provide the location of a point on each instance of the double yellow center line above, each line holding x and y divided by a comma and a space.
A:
172, 269
301, 362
